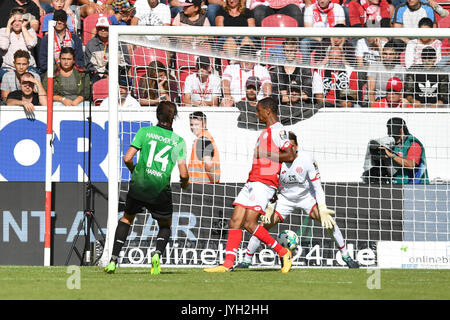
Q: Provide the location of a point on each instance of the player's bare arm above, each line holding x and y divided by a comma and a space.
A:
287, 155
184, 174
128, 158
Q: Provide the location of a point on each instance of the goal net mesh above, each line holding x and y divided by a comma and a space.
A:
337, 95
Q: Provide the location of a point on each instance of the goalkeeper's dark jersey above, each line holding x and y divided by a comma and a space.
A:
160, 149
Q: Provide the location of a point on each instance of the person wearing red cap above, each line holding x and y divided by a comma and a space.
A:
394, 96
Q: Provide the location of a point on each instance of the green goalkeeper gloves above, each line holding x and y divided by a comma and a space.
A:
325, 217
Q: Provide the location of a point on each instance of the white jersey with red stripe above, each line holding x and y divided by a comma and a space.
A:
273, 139
298, 179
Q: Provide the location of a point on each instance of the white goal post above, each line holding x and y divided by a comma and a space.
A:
378, 221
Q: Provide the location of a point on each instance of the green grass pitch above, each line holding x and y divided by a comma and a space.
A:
25, 282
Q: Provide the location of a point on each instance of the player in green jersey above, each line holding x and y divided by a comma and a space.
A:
160, 149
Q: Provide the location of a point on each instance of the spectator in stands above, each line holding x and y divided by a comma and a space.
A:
71, 86
234, 14
427, 85
193, 15
283, 76
379, 73
321, 14
123, 13
330, 85
71, 17
11, 80
96, 51
153, 13
204, 164
408, 155
41, 6
394, 96
436, 7
378, 13
26, 96
321, 54
202, 88
157, 85
355, 14
125, 100
16, 36
27, 7
270, 7
413, 52
89, 7
247, 118
296, 106
235, 76
368, 51
409, 14
64, 39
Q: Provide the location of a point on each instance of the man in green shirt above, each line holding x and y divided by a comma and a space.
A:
408, 155
160, 149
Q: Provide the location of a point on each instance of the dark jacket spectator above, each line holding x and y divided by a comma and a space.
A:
64, 39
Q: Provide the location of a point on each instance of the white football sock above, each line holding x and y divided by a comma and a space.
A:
253, 245
336, 235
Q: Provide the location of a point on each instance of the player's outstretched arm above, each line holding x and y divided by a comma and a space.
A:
324, 213
128, 158
184, 174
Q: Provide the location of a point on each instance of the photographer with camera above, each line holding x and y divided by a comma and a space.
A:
408, 154
398, 158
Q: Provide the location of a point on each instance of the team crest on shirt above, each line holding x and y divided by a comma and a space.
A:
316, 166
299, 169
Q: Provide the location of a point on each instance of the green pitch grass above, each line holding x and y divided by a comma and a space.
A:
24, 282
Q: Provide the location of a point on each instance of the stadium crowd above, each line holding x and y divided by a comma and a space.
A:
364, 72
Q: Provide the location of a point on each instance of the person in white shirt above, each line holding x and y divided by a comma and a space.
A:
300, 189
126, 100
235, 76
151, 13
413, 51
322, 14
202, 88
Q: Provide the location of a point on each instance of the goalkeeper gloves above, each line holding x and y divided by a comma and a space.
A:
266, 219
325, 217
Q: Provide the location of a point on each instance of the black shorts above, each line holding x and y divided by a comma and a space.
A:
161, 209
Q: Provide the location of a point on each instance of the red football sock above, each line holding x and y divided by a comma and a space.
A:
233, 242
262, 234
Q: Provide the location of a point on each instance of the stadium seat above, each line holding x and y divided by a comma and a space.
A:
445, 23
279, 20
142, 57
276, 20
185, 64
100, 90
89, 25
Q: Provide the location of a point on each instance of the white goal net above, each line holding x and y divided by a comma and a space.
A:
345, 92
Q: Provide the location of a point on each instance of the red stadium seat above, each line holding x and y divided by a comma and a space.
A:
185, 64
100, 91
142, 57
445, 23
276, 20
279, 20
